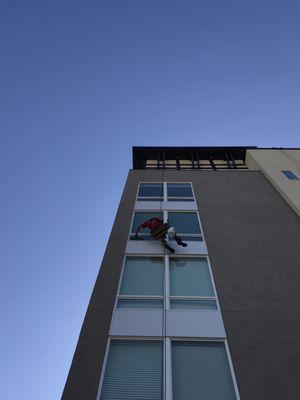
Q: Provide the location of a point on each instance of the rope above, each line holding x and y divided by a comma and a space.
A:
164, 313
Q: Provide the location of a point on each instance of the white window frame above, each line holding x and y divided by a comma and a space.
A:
187, 298
167, 360
181, 199
166, 297
187, 235
165, 193
139, 297
153, 198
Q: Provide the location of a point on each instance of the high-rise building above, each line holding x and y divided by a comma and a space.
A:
218, 319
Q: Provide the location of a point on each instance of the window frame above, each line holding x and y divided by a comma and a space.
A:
166, 297
181, 199
139, 297
187, 298
167, 378
200, 235
130, 338
164, 197
149, 198
211, 340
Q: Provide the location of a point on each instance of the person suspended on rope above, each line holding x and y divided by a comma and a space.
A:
159, 230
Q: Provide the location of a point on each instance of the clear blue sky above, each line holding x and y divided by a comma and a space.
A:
81, 83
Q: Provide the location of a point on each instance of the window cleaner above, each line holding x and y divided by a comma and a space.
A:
159, 230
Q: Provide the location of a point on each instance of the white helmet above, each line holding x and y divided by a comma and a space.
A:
171, 232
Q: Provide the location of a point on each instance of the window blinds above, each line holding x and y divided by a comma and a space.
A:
133, 371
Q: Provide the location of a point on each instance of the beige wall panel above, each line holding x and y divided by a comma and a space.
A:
272, 163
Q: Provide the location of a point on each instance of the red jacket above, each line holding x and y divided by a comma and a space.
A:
152, 223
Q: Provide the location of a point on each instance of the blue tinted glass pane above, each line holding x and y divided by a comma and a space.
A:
180, 199
184, 222
151, 190
145, 236
149, 199
290, 175
140, 217
142, 276
200, 370
189, 238
194, 304
130, 303
190, 277
180, 190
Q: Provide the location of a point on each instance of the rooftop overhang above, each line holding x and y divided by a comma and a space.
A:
141, 154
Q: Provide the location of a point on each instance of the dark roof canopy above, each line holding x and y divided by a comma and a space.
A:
141, 154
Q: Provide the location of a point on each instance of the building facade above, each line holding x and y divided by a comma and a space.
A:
218, 319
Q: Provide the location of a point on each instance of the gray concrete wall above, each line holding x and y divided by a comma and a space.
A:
253, 243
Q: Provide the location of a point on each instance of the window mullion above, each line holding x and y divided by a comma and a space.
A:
167, 283
165, 194
165, 216
168, 370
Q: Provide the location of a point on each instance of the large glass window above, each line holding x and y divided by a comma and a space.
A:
186, 224
200, 370
142, 276
190, 284
179, 192
190, 277
138, 219
133, 371
150, 192
142, 283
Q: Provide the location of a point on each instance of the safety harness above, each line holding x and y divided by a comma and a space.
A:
160, 231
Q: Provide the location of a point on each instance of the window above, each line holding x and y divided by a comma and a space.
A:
179, 192
163, 191
133, 370
142, 283
200, 370
290, 175
188, 304
139, 218
186, 224
191, 284
150, 192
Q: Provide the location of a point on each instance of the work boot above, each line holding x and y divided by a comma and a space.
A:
180, 242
